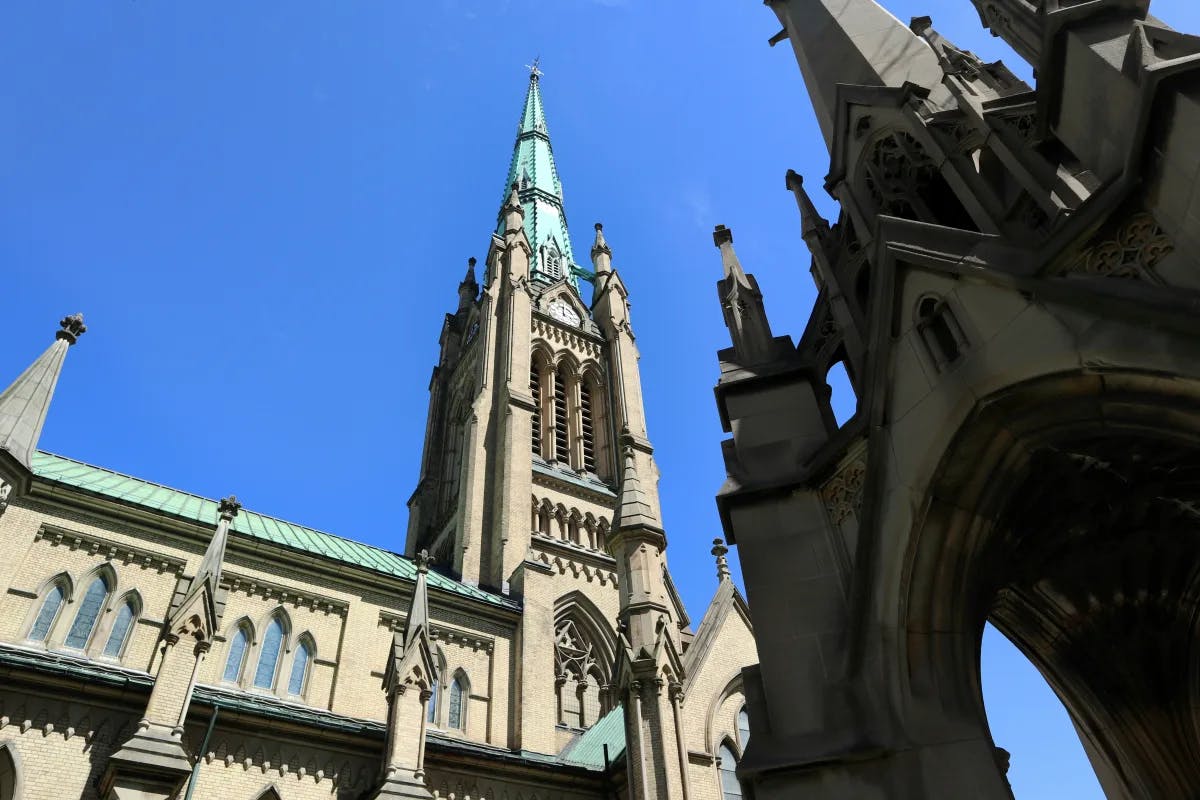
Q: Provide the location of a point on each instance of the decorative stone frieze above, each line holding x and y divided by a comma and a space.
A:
1133, 250
442, 633
285, 595
843, 492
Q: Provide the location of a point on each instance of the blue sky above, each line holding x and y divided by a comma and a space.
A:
263, 210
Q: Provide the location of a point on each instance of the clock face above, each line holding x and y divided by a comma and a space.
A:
562, 311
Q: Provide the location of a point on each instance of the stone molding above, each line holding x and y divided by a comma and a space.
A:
565, 557
442, 633
110, 550
577, 340
257, 587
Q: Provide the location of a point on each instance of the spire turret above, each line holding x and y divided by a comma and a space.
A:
742, 305
468, 289
857, 43
24, 404
539, 192
719, 550
601, 254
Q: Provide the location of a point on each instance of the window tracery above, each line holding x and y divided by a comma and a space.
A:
579, 681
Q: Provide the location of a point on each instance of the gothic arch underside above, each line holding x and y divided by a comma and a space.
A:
1067, 512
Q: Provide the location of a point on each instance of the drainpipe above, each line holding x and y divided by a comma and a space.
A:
212, 723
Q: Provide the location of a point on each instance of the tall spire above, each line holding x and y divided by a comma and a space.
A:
855, 42
540, 191
24, 404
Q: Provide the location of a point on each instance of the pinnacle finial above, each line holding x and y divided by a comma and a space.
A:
601, 253
719, 550
72, 328
229, 507
811, 221
421, 559
534, 72
722, 235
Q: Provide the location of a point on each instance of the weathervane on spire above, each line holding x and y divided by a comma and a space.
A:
534, 72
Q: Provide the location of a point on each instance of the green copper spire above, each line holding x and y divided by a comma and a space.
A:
540, 192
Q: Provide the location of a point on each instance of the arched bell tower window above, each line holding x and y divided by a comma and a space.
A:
552, 261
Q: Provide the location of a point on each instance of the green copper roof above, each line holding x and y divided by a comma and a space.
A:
153, 496
540, 191
588, 749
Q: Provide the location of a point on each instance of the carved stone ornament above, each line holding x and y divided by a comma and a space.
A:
843, 492
1133, 251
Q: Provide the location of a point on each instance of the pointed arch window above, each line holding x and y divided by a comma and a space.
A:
48, 612
237, 654
8, 774
562, 451
88, 614
298, 678
535, 389
579, 681
731, 789
940, 332
743, 728
552, 261
456, 716
268, 655
432, 709
118, 635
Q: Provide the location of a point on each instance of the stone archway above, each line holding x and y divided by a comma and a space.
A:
1067, 512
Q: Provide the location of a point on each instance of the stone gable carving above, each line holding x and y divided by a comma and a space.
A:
843, 492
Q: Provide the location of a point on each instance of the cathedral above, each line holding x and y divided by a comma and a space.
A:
528, 644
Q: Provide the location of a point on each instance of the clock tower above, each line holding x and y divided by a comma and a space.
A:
535, 416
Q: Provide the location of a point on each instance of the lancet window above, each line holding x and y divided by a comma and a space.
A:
939, 331
235, 659
118, 634
301, 660
731, 788
453, 456
88, 614
8, 774
269, 655
52, 604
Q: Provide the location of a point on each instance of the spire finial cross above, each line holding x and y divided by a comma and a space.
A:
534, 72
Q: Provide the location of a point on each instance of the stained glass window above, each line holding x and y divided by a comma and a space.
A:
456, 704
730, 788
743, 729
120, 631
299, 669
45, 618
268, 657
88, 614
431, 714
237, 654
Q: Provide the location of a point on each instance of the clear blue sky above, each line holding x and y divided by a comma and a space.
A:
263, 209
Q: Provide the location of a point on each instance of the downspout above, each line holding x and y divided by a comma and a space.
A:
212, 723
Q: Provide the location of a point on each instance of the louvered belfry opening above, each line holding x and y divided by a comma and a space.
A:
535, 389
561, 447
589, 441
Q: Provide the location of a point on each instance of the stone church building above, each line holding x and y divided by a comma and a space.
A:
529, 643
1012, 285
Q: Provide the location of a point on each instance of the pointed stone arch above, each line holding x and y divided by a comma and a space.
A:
239, 644
265, 662
458, 697
10, 772
585, 651
96, 588
269, 793
713, 731
116, 631
45, 615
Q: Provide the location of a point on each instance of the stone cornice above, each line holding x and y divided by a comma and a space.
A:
545, 475
588, 344
109, 549
443, 633
287, 595
567, 557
